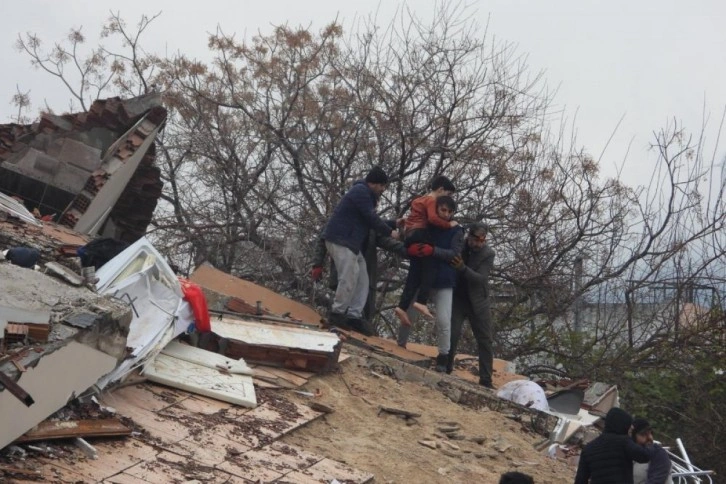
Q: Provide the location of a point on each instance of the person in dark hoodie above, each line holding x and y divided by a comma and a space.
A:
345, 234
609, 458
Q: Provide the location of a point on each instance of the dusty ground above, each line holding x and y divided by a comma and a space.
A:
388, 447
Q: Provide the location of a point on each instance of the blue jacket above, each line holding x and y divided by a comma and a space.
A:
353, 217
449, 243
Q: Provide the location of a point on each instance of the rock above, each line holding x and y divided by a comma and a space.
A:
431, 444
450, 445
501, 446
449, 452
319, 407
478, 439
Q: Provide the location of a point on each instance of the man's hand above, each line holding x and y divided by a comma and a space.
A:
458, 263
454, 223
394, 234
316, 273
420, 250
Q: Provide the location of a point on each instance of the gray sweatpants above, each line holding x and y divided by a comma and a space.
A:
442, 300
352, 291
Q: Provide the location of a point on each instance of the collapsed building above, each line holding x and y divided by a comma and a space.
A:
92, 171
196, 385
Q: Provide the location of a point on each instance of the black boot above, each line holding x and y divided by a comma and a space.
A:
449, 363
441, 363
338, 320
361, 325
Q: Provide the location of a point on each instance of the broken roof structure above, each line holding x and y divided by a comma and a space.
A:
91, 171
223, 406
120, 358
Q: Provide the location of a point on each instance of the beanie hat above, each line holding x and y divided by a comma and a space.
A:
640, 425
377, 175
618, 421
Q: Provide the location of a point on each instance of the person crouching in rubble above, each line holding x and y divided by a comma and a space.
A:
658, 470
609, 458
345, 233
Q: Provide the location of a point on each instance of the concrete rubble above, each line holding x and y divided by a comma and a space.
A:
73, 341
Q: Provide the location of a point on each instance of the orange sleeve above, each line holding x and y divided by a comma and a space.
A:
432, 217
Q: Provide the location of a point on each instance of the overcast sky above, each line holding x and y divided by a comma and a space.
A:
645, 61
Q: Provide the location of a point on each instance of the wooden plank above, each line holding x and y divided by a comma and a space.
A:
215, 280
60, 429
387, 347
16, 390
285, 357
284, 374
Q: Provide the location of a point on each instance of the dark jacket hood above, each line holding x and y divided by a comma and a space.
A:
618, 421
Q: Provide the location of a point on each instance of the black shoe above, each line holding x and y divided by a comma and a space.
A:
449, 363
441, 362
338, 320
361, 325
486, 384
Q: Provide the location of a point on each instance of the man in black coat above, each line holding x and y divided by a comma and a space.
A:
609, 458
471, 299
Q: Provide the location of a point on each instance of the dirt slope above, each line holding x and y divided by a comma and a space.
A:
388, 445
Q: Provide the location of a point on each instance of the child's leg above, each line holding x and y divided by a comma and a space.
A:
409, 291
413, 277
426, 278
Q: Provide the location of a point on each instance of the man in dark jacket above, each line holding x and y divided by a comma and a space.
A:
658, 470
609, 458
471, 299
345, 233
373, 242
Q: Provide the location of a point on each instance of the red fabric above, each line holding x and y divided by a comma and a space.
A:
195, 296
423, 213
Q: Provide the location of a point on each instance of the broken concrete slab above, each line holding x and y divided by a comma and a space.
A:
55, 269
32, 296
53, 384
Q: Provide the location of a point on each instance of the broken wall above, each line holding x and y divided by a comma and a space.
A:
62, 166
